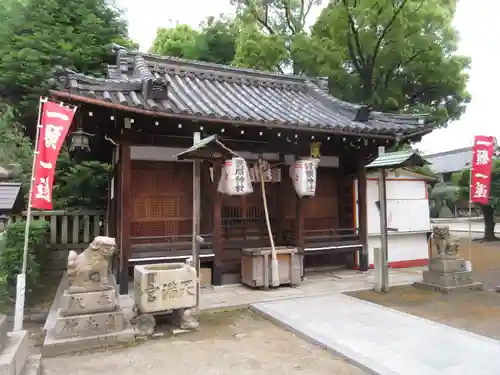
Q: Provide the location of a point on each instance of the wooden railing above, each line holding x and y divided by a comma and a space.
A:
68, 229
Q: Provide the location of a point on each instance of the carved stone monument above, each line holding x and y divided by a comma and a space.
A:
14, 352
86, 308
165, 288
447, 271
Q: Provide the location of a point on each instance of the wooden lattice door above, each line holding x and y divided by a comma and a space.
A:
161, 200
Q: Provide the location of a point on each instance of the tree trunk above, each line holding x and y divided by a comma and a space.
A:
489, 222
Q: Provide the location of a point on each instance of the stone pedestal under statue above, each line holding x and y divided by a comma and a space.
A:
86, 312
447, 271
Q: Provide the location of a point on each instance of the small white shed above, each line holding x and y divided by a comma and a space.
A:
408, 217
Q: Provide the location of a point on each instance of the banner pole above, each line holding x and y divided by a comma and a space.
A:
470, 215
21, 278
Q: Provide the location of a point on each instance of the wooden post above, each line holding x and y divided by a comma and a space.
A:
362, 212
299, 228
125, 246
382, 197
217, 228
196, 218
383, 269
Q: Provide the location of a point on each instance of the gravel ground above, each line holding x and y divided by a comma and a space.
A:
474, 311
238, 342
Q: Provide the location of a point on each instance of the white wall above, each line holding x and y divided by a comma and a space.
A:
405, 250
156, 153
408, 212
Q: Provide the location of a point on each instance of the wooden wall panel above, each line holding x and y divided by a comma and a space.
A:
161, 199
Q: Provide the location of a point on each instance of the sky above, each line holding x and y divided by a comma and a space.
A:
476, 20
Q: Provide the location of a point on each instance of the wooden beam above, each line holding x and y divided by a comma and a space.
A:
362, 211
126, 207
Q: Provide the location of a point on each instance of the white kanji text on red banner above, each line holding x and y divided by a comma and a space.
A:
55, 122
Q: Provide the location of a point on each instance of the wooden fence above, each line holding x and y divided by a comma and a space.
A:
69, 230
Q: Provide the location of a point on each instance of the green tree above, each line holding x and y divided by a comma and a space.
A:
274, 33
178, 41
80, 186
396, 55
47, 33
214, 42
489, 209
15, 147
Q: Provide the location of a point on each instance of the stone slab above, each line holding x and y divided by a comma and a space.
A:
87, 302
53, 346
4, 328
384, 341
33, 365
89, 324
475, 286
15, 353
448, 279
447, 265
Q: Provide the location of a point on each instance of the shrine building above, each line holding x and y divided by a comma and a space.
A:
148, 107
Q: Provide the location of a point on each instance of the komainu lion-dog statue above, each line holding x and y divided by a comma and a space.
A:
88, 271
446, 244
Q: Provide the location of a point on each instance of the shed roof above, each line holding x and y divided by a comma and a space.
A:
11, 197
450, 161
210, 91
407, 158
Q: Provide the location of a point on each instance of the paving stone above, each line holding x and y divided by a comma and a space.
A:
382, 340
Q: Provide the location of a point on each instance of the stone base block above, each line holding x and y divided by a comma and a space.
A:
448, 289
87, 302
89, 324
33, 365
447, 265
53, 346
4, 328
447, 279
14, 354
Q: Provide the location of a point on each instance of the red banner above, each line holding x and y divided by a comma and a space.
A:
482, 154
55, 121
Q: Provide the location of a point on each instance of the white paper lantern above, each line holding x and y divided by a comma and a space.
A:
235, 178
304, 175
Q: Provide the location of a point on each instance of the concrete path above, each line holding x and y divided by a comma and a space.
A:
231, 296
385, 341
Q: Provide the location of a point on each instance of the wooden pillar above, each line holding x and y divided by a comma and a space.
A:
299, 227
125, 213
217, 228
362, 212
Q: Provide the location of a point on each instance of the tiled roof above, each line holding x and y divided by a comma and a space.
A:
210, 91
10, 196
450, 161
398, 159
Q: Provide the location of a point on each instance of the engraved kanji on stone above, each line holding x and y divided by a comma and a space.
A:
52, 135
70, 326
151, 292
92, 324
76, 302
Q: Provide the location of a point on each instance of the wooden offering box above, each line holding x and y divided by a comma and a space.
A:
256, 266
